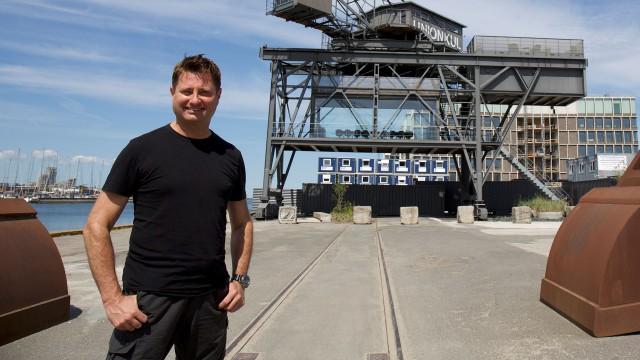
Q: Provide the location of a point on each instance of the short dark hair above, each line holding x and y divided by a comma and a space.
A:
196, 64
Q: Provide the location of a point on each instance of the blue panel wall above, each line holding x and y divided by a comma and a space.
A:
322, 169
404, 170
350, 168
388, 171
372, 166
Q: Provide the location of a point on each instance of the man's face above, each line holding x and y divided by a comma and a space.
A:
195, 98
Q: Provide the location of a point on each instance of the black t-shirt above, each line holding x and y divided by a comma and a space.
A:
180, 188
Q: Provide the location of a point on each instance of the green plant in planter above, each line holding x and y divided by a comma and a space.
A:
542, 204
343, 210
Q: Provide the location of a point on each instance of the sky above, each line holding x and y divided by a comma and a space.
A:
80, 78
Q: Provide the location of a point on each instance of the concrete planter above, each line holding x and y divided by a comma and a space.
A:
288, 215
409, 215
550, 215
465, 214
323, 217
521, 215
362, 214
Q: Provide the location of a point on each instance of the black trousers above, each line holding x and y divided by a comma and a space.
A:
195, 325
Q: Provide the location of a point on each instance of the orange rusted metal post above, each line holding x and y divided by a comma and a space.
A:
594, 263
33, 284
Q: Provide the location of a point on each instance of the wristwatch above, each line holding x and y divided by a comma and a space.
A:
243, 279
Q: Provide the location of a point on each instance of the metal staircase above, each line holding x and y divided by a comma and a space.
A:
554, 193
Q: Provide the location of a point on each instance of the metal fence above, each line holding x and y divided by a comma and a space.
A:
578, 189
436, 199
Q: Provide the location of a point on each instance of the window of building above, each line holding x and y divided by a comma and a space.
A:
592, 166
402, 180
600, 149
619, 137
634, 124
365, 179
591, 150
590, 106
422, 164
599, 123
628, 136
599, 106
581, 123
384, 165
600, 136
626, 123
608, 106
581, 107
617, 123
497, 164
402, 163
590, 123
609, 136
326, 179
326, 162
582, 136
627, 149
591, 136
609, 149
626, 106
366, 162
570, 170
346, 162
618, 149
384, 179
582, 150
346, 179
608, 123
617, 106
581, 167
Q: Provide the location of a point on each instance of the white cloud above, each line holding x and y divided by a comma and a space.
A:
84, 159
102, 86
7, 154
59, 52
241, 22
44, 153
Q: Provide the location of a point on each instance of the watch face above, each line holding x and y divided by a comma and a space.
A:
244, 280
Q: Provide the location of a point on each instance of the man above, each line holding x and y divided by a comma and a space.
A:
183, 179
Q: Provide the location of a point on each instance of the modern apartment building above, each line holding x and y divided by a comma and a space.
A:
542, 138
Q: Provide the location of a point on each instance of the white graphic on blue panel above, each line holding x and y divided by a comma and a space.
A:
326, 164
346, 164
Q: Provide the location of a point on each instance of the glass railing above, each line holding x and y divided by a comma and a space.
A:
524, 46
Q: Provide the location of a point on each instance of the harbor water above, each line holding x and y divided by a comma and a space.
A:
73, 216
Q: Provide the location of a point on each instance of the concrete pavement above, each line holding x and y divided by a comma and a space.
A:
460, 292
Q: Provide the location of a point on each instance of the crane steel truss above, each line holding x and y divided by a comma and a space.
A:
402, 85
453, 88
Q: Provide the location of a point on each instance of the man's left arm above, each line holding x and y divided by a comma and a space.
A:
241, 248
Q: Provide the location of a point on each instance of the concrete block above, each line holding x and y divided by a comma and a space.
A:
465, 214
409, 215
323, 217
362, 214
521, 215
568, 210
288, 215
550, 215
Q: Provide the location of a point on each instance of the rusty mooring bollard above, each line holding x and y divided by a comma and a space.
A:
594, 263
33, 284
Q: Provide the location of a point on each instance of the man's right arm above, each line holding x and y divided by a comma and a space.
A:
122, 311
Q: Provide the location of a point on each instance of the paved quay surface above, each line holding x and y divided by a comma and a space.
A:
319, 292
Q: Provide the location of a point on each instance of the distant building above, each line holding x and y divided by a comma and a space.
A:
598, 166
48, 178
